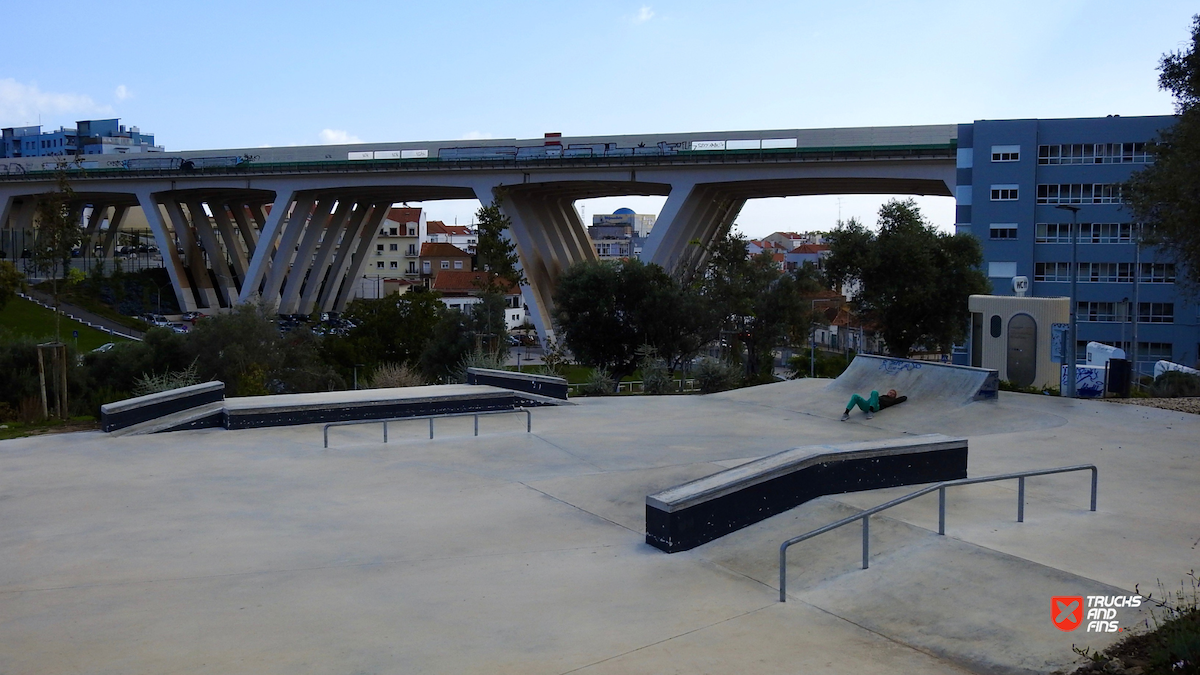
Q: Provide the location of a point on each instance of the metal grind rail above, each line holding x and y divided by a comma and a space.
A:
431, 418
865, 516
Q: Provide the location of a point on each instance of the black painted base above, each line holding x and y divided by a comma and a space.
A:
155, 410
688, 528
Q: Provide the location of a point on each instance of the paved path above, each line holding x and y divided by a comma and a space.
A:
84, 315
260, 552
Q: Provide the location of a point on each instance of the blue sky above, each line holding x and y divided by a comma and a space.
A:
246, 74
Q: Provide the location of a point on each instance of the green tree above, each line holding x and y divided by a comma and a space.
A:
495, 254
11, 282
392, 329
58, 231
759, 305
458, 334
606, 311
911, 279
1165, 196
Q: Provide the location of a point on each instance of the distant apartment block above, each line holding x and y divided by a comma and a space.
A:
620, 234
89, 137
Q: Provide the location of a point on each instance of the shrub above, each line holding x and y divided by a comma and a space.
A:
392, 375
1173, 384
713, 375
153, 383
599, 383
656, 379
478, 359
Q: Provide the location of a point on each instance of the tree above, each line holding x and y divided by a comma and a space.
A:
1165, 196
911, 279
58, 231
11, 282
759, 305
607, 310
459, 333
392, 329
494, 253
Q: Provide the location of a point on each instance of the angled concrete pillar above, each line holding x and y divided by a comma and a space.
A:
6, 210
289, 241
316, 277
289, 299
343, 256
192, 255
371, 230
226, 285
108, 244
91, 232
265, 249
166, 244
234, 246
249, 229
693, 214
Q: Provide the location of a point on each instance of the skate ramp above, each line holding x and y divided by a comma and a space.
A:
918, 380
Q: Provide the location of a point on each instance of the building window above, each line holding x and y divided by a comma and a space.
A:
1052, 271
393, 247
394, 264
445, 264
433, 238
379, 264
1154, 351
412, 267
458, 264
1079, 193
412, 249
1002, 269
412, 231
1105, 272
1089, 233
1006, 153
425, 266
1053, 233
1157, 273
1095, 153
1156, 312
393, 231
1096, 311
1004, 193
1003, 230
379, 247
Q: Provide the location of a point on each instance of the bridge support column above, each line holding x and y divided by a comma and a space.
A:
166, 245
316, 276
192, 255
108, 244
233, 244
341, 259
91, 233
289, 239
379, 211
264, 249
693, 212
226, 284
318, 225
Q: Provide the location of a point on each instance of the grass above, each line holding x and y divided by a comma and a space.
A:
21, 430
23, 317
92, 304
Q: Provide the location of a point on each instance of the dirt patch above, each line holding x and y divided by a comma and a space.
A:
1183, 404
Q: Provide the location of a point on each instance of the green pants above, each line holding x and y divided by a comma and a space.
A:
865, 405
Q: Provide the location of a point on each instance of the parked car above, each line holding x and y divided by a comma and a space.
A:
192, 317
104, 347
178, 327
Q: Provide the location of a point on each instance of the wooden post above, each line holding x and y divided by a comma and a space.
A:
42, 380
63, 411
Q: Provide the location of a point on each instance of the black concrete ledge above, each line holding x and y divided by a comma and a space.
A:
542, 385
688, 515
252, 412
131, 411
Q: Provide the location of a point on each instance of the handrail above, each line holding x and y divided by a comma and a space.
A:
865, 516
431, 418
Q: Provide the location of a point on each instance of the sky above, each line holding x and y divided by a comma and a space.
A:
223, 74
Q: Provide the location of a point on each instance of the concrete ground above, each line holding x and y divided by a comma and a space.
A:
259, 551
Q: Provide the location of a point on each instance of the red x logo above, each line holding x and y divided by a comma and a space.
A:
1066, 611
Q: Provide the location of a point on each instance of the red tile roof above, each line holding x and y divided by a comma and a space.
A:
810, 248
442, 250
406, 214
455, 281
438, 227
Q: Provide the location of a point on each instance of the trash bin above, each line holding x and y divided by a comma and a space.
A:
1119, 378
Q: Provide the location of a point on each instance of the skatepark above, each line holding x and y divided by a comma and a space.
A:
261, 551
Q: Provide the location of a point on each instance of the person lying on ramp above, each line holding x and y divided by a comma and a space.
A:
874, 404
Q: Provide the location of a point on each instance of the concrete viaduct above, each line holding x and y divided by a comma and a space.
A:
294, 226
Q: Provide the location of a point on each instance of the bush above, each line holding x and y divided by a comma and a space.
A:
656, 378
152, 383
713, 375
393, 375
478, 359
1173, 384
599, 383
828, 364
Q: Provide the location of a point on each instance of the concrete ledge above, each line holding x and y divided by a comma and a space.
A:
543, 385
290, 409
697, 512
131, 411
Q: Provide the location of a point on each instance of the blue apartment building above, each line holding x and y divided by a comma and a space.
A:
1012, 177
89, 137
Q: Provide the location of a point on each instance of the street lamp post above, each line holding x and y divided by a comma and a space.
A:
1071, 358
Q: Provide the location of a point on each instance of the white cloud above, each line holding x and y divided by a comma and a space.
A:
644, 14
338, 137
123, 93
475, 136
22, 104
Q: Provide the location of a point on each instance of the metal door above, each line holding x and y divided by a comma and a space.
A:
1022, 350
